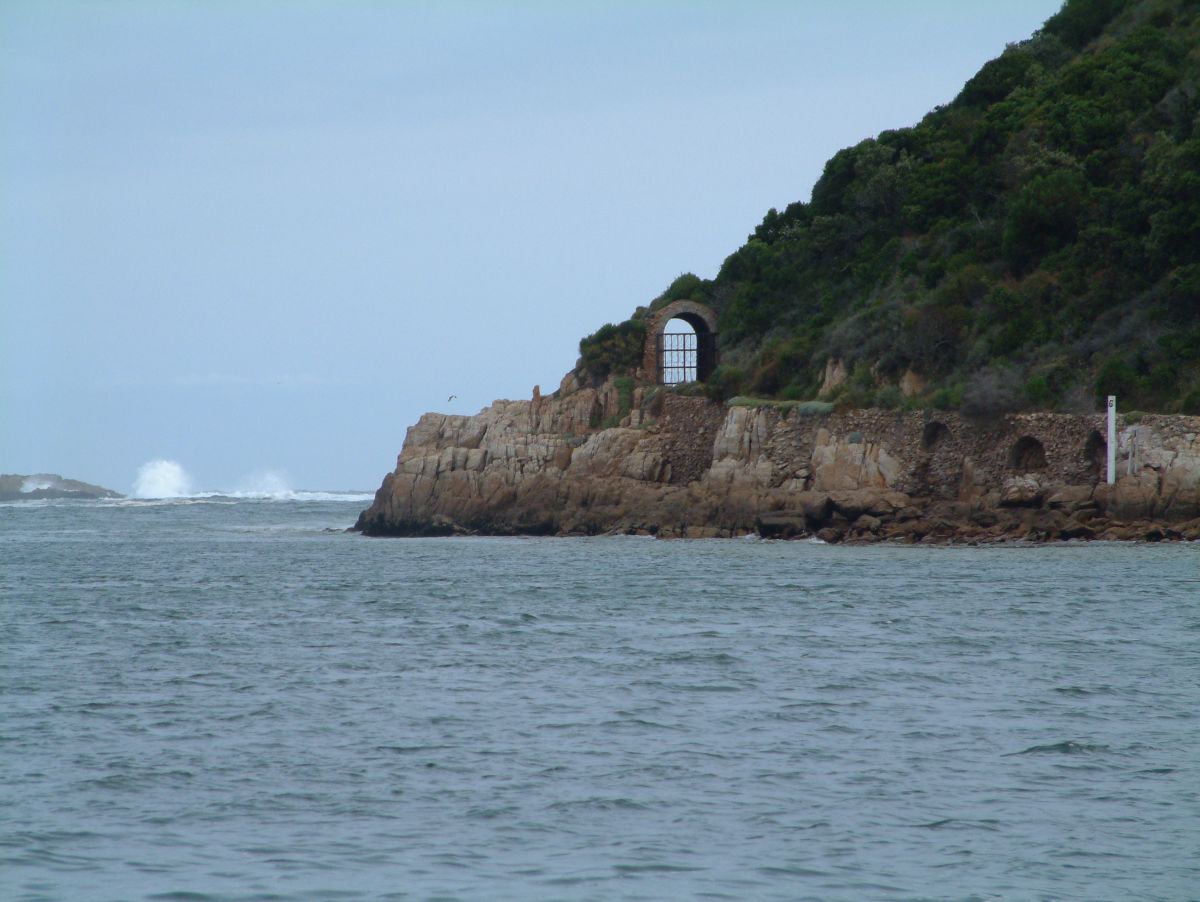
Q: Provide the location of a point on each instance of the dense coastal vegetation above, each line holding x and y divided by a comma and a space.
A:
1032, 245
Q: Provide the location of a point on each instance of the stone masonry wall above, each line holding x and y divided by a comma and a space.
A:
685, 466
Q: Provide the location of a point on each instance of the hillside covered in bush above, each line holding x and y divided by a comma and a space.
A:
1033, 244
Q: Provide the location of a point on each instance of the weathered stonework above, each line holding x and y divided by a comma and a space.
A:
701, 318
683, 466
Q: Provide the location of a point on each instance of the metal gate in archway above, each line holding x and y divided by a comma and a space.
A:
686, 356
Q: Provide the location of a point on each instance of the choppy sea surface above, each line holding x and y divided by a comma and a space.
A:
219, 698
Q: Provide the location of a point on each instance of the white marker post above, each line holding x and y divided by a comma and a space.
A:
1112, 439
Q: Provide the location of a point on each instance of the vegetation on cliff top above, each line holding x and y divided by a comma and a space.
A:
1033, 244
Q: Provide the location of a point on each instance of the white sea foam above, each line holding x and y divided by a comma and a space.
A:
333, 496
264, 484
274, 485
162, 479
32, 484
168, 481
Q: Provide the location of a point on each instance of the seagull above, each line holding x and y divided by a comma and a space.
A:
451, 398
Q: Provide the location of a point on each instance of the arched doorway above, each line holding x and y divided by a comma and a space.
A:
681, 343
679, 353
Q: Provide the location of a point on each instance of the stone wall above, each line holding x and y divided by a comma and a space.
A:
684, 466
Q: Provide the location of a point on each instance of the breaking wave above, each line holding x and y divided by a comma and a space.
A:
159, 480
162, 479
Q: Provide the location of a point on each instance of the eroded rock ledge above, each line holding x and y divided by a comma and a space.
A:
687, 467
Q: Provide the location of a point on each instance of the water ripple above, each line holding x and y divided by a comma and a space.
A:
225, 701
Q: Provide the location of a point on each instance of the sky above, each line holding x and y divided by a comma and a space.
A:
264, 237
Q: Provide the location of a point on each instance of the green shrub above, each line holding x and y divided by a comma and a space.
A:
1081, 20
992, 392
725, 382
1190, 405
1116, 377
686, 287
813, 408
1047, 218
746, 401
801, 408
944, 399
613, 348
858, 391
889, 397
624, 386
690, 389
1183, 294
1037, 390
1043, 217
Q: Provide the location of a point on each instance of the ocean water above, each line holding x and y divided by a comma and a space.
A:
220, 698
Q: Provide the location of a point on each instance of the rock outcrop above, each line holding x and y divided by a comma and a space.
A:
30, 487
678, 466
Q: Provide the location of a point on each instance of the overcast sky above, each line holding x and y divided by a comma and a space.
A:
268, 235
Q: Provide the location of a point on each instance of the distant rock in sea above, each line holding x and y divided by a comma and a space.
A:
17, 487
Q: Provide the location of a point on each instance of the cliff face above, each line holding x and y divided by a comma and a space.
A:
687, 467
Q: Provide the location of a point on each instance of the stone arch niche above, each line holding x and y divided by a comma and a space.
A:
703, 321
1095, 454
1026, 454
935, 434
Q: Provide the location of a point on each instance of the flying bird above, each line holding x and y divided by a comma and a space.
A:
452, 397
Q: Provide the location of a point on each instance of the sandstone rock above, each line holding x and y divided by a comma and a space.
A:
697, 468
984, 518
911, 384
1074, 529
854, 503
570, 382
1021, 491
1070, 497
647, 466
867, 523
841, 464
835, 376
1132, 497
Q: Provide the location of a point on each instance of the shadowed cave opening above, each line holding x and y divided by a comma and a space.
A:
1027, 454
935, 434
1095, 454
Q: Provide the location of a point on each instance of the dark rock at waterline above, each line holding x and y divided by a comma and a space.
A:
19, 487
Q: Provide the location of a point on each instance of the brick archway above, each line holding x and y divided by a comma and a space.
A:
701, 318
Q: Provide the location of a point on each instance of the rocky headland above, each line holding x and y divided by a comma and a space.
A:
1028, 247
30, 487
676, 466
